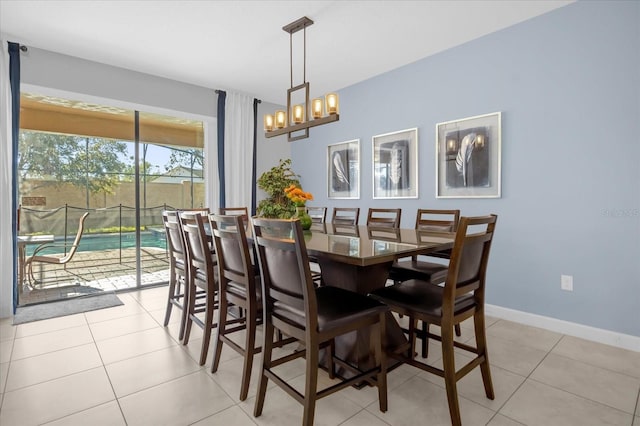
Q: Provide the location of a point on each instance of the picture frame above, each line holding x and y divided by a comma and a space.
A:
343, 170
468, 157
395, 164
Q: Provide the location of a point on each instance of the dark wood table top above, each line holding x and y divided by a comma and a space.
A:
364, 246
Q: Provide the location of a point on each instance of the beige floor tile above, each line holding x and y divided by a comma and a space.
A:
149, 293
134, 344
500, 420
418, 400
518, 359
178, 402
636, 421
364, 418
7, 330
120, 326
37, 369
594, 383
54, 399
471, 386
524, 335
605, 356
126, 310
108, 414
369, 395
144, 371
53, 341
158, 315
535, 403
231, 416
53, 324
6, 347
4, 371
282, 409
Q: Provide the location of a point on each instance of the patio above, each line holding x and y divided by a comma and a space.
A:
95, 272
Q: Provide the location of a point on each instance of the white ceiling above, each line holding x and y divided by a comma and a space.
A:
240, 45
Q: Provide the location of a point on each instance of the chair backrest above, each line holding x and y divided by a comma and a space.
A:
384, 217
345, 215
287, 287
202, 210
317, 214
200, 258
235, 270
76, 240
437, 220
469, 259
175, 239
243, 212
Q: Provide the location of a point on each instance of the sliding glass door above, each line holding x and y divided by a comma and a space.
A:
124, 168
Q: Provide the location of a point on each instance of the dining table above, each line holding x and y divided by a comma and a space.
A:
358, 258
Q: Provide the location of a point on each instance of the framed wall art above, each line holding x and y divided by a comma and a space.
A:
468, 157
395, 164
343, 169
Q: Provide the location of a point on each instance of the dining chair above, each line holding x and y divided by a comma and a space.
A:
238, 285
243, 212
461, 297
317, 214
68, 251
345, 215
384, 217
313, 316
178, 269
202, 275
416, 267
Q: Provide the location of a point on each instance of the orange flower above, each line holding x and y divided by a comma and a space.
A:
297, 195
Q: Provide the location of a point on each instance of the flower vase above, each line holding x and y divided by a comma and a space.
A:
305, 219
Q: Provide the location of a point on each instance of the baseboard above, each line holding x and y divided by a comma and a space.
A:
624, 341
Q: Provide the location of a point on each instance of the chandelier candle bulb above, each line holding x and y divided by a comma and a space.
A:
332, 103
268, 122
281, 119
316, 108
298, 114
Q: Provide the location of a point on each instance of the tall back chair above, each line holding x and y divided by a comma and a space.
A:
243, 212
317, 214
69, 251
178, 269
384, 217
202, 275
238, 285
313, 316
345, 215
461, 297
428, 220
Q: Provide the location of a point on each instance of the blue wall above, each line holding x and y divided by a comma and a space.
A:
568, 86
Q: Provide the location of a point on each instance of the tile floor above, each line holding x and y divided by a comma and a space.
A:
119, 366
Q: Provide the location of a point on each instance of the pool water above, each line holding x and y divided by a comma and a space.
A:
99, 242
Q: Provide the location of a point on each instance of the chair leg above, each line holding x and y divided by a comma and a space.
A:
267, 347
311, 385
191, 307
425, 339
412, 337
449, 367
481, 344
458, 331
250, 343
171, 296
222, 322
208, 325
331, 353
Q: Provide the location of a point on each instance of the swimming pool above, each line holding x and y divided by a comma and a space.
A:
99, 242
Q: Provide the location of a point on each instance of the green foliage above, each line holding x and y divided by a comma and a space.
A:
188, 158
92, 163
273, 182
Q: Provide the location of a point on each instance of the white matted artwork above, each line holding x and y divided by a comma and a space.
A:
468, 157
343, 169
395, 164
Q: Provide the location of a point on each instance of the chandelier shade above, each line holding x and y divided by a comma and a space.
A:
297, 119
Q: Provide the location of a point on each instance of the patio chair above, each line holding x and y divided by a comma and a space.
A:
55, 259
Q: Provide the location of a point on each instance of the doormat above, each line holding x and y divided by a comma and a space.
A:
67, 307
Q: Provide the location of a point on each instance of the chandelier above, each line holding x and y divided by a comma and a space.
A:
298, 118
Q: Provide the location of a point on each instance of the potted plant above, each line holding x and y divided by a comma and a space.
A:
274, 182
